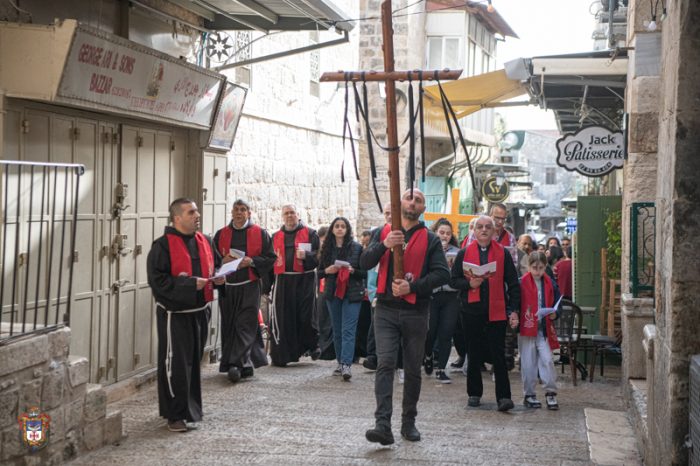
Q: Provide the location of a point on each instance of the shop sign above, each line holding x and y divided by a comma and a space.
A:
592, 151
107, 72
493, 192
227, 117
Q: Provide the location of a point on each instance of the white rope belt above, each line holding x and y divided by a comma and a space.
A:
239, 284
169, 349
274, 322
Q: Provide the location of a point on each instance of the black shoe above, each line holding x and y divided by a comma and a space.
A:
234, 375
458, 363
177, 426
247, 372
428, 364
410, 433
315, 354
474, 401
370, 363
505, 404
381, 435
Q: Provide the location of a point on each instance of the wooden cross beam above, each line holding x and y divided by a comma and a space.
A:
453, 216
390, 76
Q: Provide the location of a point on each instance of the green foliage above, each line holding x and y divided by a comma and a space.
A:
613, 228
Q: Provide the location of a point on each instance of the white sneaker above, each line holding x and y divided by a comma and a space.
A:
338, 370
400, 372
551, 399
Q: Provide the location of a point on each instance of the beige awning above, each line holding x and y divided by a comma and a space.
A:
469, 95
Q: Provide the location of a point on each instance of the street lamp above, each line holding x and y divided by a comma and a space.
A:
500, 178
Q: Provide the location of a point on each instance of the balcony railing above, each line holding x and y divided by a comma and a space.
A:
642, 248
39, 212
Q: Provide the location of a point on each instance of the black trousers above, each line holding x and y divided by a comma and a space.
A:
394, 329
444, 312
484, 334
239, 324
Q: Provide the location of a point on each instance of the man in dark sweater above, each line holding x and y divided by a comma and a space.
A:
490, 302
402, 312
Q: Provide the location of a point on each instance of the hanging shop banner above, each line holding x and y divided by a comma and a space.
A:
592, 151
229, 114
494, 192
107, 72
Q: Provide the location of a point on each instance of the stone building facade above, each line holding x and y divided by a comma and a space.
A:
663, 167
289, 148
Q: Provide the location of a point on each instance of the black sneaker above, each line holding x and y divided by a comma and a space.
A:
531, 402
442, 377
474, 401
505, 404
428, 364
247, 372
551, 399
458, 363
380, 434
234, 374
315, 354
370, 363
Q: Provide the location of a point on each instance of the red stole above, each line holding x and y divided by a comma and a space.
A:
302, 236
529, 304
253, 244
506, 239
413, 259
181, 262
341, 282
497, 302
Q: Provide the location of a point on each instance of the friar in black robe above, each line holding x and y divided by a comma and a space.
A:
291, 324
240, 349
180, 267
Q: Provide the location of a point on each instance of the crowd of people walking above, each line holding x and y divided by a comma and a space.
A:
333, 297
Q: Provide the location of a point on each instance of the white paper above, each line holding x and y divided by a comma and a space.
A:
236, 253
451, 254
228, 268
341, 263
545, 311
306, 247
479, 270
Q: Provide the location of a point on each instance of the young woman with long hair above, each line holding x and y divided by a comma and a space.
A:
344, 289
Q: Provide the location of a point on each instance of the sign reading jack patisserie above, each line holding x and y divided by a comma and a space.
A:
592, 151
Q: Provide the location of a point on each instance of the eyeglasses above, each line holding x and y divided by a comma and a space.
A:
479, 226
500, 219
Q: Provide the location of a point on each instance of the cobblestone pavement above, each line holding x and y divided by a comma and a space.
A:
303, 415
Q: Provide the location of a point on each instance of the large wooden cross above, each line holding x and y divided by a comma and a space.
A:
390, 76
453, 216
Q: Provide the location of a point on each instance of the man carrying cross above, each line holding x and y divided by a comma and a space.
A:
402, 312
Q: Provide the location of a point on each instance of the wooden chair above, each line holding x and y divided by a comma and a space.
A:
568, 328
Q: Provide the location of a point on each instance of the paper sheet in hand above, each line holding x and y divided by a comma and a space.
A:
341, 263
479, 270
451, 254
306, 247
236, 253
228, 268
545, 311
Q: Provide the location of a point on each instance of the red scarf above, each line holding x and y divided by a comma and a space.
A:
181, 262
341, 282
253, 244
529, 304
505, 239
302, 236
413, 259
497, 302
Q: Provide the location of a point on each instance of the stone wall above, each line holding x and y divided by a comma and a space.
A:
289, 147
678, 223
409, 47
37, 371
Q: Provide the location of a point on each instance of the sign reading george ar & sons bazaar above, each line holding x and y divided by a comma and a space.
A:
592, 151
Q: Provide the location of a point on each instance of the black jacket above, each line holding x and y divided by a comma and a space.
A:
356, 285
434, 274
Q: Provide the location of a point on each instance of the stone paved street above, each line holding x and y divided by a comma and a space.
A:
303, 415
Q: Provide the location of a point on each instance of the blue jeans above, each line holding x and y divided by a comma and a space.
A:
344, 315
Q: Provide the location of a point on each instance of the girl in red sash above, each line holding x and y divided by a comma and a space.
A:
537, 336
